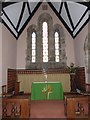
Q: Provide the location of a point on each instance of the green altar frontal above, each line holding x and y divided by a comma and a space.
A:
47, 91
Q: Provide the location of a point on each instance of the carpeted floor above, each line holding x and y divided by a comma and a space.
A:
47, 109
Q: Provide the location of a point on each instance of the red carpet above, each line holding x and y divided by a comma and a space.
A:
47, 109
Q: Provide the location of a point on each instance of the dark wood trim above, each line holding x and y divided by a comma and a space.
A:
9, 29
82, 27
12, 79
88, 84
81, 19
80, 79
28, 8
87, 87
21, 15
29, 18
77, 106
61, 7
5, 4
9, 20
60, 18
14, 102
68, 14
51, 71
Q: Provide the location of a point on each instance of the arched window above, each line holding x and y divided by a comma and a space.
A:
56, 37
45, 44
33, 47
45, 41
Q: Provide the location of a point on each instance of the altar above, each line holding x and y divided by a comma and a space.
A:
47, 91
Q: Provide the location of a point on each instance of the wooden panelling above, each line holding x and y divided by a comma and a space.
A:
77, 107
26, 80
88, 88
16, 88
12, 77
26, 71
80, 79
15, 108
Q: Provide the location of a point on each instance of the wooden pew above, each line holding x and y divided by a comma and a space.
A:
15, 108
77, 106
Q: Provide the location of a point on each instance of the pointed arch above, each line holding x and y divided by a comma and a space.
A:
45, 45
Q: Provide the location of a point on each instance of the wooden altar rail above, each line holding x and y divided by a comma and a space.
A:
15, 108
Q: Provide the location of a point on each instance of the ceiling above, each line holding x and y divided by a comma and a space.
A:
16, 15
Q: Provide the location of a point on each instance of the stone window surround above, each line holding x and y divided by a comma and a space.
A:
45, 17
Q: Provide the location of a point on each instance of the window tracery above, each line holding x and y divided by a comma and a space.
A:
48, 49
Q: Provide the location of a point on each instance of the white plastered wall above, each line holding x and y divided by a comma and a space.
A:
22, 41
9, 48
0, 57
79, 42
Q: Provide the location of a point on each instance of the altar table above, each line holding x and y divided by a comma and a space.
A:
47, 91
